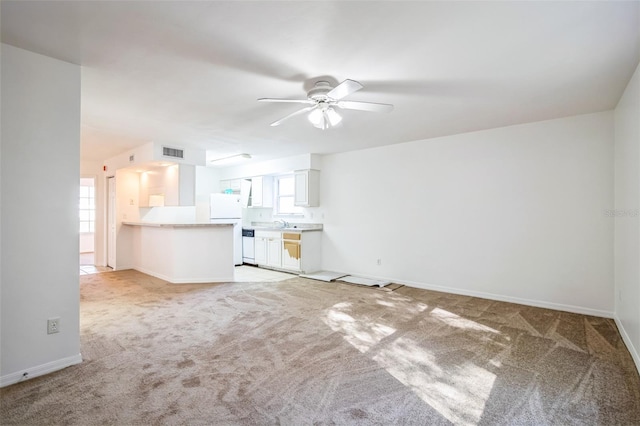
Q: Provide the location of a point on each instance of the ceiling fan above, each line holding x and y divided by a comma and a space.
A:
324, 99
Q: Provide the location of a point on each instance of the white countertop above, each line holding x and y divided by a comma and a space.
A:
293, 227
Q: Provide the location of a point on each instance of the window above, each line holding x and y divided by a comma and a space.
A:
285, 195
87, 207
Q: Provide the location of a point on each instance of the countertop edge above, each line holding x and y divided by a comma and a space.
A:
178, 225
262, 228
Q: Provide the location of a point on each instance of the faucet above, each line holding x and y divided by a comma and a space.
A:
283, 222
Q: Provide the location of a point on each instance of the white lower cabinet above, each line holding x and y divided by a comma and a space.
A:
289, 251
274, 252
260, 250
268, 248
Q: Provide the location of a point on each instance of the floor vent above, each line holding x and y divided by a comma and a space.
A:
172, 152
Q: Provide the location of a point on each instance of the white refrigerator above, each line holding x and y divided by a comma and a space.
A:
227, 208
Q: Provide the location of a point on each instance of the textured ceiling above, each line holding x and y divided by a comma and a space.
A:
189, 73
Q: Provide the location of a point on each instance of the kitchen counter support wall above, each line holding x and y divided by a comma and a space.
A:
183, 253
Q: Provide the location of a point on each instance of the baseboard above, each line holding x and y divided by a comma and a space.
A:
39, 370
501, 298
510, 299
627, 341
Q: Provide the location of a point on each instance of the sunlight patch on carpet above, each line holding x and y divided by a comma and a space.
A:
457, 321
458, 391
362, 335
454, 386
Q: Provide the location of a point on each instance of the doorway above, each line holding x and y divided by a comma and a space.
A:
87, 216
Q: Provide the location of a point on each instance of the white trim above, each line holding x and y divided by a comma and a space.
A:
491, 296
627, 341
39, 370
528, 302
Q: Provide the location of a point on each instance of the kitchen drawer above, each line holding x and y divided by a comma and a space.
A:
291, 236
268, 234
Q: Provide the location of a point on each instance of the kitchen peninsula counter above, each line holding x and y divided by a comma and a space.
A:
196, 252
178, 225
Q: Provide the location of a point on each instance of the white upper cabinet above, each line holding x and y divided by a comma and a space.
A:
234, 185
307, 184
262, 191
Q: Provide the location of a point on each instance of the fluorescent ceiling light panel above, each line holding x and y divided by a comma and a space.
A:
234, 159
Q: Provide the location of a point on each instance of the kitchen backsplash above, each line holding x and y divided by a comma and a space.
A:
188, 214
311, 215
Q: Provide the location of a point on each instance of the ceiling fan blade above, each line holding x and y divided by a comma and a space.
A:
293, 114
344, 89
297, 101
365, 106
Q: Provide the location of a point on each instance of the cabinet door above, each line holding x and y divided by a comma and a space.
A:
306, 188
274, 252
291, 255
233, 185
256, 192
260, 250
301, 197
262, 191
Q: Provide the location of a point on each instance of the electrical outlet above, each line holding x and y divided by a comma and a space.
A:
53, 325
379, 262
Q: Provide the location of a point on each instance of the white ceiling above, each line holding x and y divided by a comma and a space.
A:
189, 73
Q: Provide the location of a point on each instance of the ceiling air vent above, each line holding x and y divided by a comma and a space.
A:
172, 152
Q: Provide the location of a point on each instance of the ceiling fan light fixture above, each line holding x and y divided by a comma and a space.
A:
333, 117
323, 98
323, 118
315, 117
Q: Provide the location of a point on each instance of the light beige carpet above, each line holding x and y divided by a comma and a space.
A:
301, 352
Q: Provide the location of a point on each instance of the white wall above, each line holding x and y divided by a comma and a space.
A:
151, 152
271, 167
625, 215
127, 210
40, 185
514, 213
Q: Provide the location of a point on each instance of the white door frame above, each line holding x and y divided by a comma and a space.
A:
111, 222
